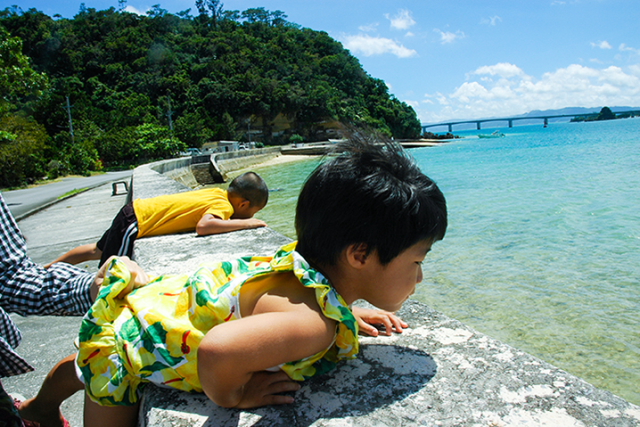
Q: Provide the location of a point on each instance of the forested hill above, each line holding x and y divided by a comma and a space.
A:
140, 87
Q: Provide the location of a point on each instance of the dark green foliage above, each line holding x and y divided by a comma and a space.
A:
296, 139
22, 143
606, 114
127, 76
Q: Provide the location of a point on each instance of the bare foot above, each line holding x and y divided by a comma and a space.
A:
29, 411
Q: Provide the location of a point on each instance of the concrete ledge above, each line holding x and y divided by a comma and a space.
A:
437, 373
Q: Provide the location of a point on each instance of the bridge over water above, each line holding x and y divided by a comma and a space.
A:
510, 120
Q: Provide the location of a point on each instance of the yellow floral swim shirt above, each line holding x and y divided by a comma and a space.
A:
152, 334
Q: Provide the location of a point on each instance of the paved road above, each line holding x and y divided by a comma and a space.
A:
23, 203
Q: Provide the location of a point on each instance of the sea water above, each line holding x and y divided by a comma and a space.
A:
543, 246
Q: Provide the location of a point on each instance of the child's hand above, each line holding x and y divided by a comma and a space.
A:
263, 388
368, 320
254, 223
139, 277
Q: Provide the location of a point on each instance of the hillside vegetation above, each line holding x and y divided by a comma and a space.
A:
111, 89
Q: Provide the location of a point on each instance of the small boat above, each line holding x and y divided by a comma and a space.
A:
496, 134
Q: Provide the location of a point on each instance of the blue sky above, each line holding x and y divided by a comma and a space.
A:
464, 59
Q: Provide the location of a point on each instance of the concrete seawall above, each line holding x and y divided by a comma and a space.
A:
223, 163
208, 169
439, 372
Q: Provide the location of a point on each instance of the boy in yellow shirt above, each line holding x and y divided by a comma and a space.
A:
207, 211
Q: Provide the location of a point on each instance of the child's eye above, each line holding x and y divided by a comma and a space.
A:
419, 262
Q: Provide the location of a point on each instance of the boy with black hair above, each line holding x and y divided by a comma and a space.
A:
207, 211
376, 196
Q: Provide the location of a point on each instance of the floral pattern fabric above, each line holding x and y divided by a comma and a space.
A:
153, 333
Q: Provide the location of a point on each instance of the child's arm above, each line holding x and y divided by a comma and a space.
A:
367, 318
233, 356
210, 224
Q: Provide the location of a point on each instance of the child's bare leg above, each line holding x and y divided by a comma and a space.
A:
79, 254
60, 384
109, 416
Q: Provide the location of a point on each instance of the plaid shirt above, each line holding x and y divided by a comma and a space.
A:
29, 289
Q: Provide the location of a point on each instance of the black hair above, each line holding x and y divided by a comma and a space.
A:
371, 192
252, 187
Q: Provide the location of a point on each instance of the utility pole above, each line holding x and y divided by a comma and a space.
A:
68, 108
169, 114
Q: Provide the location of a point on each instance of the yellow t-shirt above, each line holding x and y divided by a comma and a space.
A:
179, 213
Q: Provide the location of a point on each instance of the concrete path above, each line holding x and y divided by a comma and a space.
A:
49, 233
27, 201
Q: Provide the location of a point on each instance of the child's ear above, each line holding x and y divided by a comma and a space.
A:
357, 254
244, 204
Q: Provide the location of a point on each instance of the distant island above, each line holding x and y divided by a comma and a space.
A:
431, 135
605, 114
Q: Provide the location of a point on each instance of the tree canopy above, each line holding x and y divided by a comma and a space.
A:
606, 114
183, 80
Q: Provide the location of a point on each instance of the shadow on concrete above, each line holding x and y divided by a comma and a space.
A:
355, 388
382, 375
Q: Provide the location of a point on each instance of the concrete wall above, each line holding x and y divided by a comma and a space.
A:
439, 372
208, 169
223, 163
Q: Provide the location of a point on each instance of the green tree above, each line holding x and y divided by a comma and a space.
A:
22, 139
17, 79
155, 142
606, 114
22, 142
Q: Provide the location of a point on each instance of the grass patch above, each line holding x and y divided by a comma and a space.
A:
73, 192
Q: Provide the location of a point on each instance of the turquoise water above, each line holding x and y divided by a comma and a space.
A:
543, 248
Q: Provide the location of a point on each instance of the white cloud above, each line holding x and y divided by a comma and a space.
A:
505, 89
449, 37
369, 46
403, 20
493, 21
132, 9
624, 48
502, 69
438, 97
414, 104
369, 28
602, 45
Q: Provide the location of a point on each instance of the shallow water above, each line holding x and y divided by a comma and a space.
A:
543, 247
